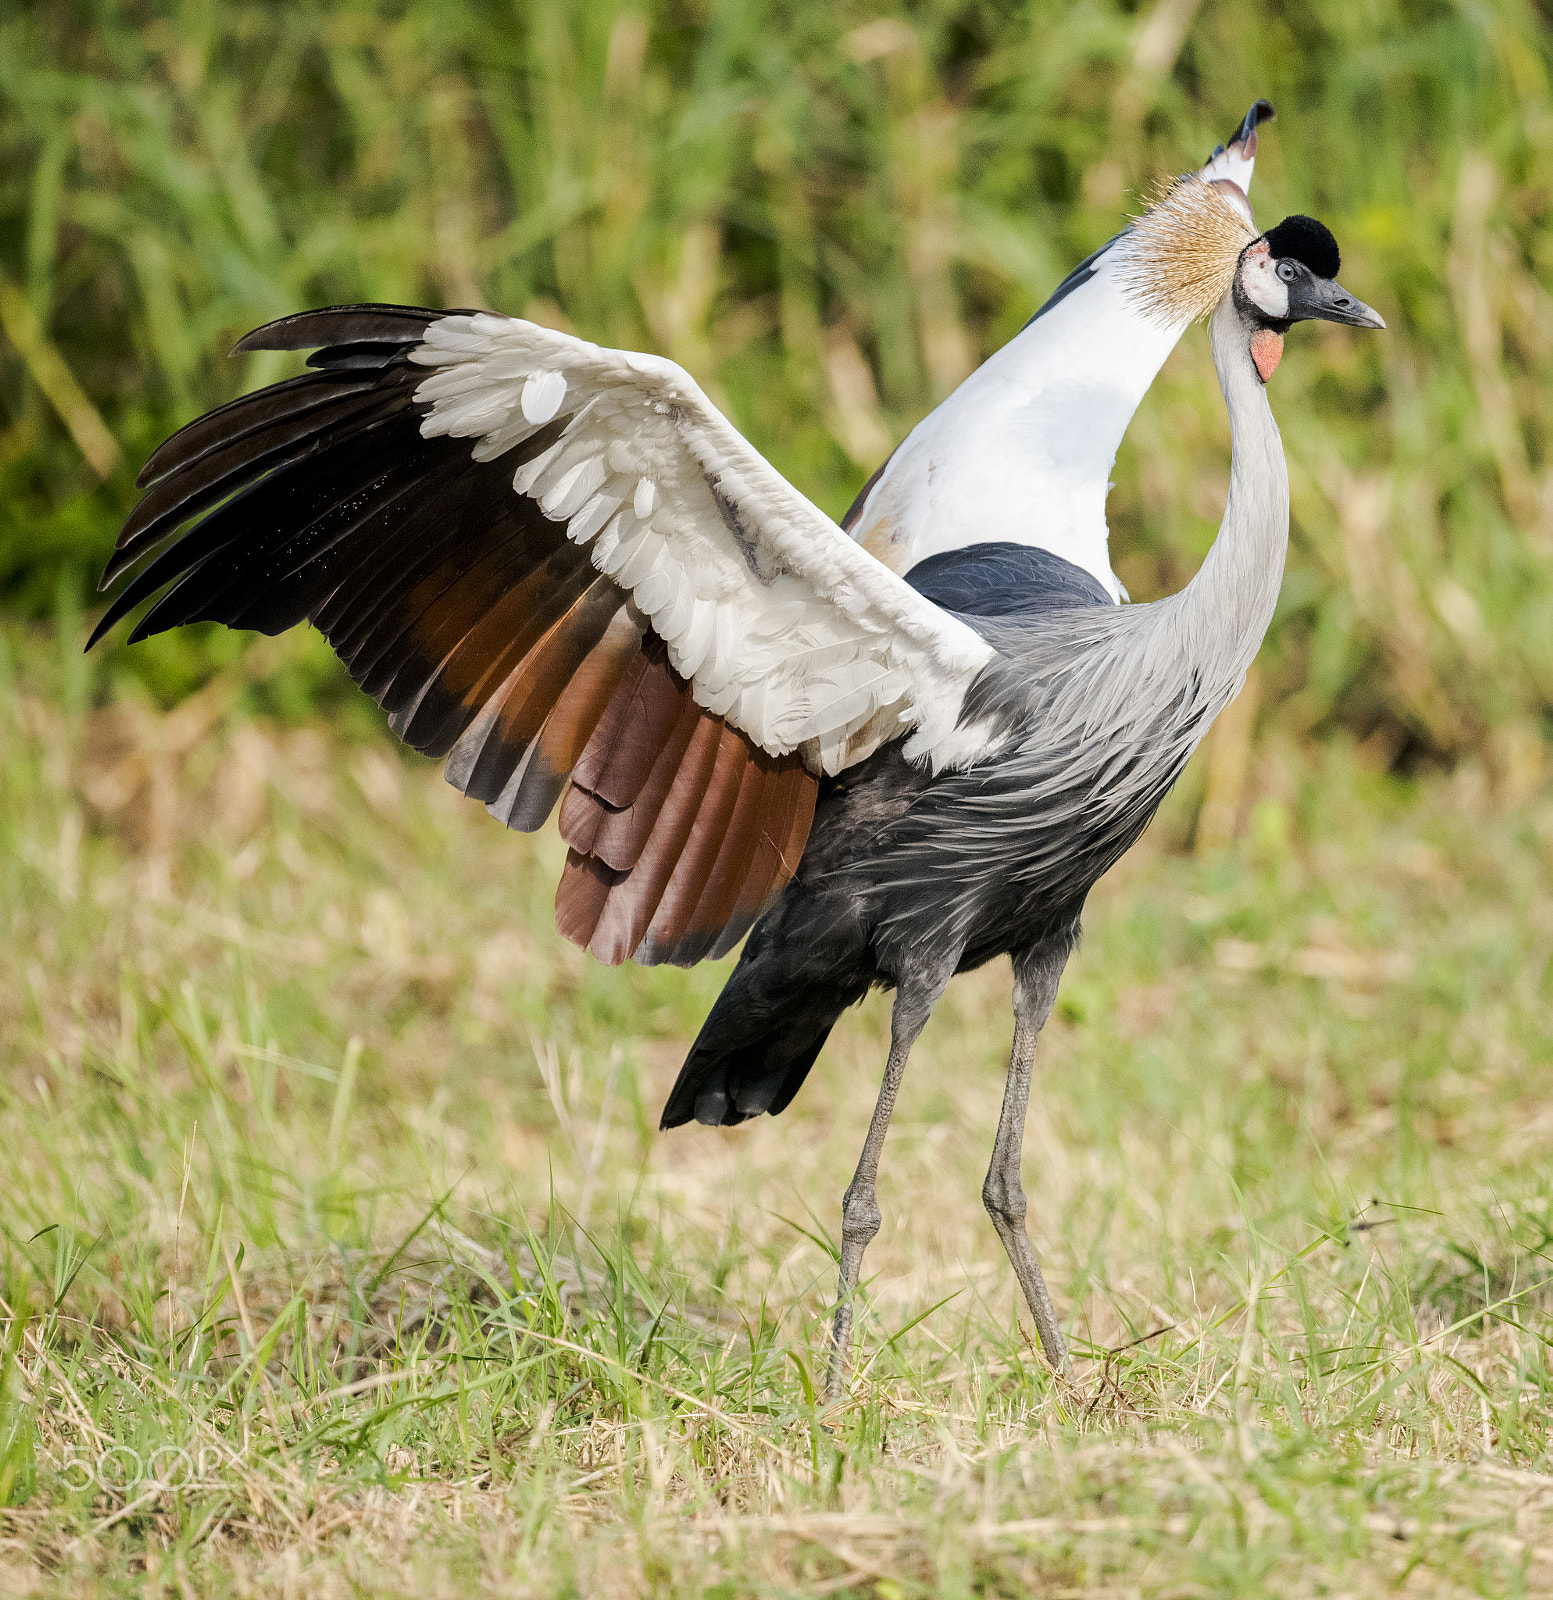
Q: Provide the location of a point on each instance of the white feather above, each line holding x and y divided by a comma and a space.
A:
646, 556
779, 621
568, 453
1022, 451
695, 638
629, 534
591, 517
654, 592
543, 393
500, 440
526, 475
565, 497
671, 619
606, 543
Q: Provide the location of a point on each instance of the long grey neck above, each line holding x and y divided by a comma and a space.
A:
1224, 612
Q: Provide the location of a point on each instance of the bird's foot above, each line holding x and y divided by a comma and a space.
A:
840, 1352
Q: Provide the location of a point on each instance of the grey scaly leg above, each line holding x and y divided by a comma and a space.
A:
914, 1002
1035, 992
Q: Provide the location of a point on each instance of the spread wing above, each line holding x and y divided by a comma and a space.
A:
550, 561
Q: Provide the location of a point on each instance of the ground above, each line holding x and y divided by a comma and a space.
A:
341, 1255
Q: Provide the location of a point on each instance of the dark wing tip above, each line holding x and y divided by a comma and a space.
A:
355, 324
1261, 112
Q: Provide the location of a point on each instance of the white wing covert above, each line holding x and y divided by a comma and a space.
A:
781, 623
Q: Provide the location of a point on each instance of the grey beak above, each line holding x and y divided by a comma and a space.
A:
1313, 299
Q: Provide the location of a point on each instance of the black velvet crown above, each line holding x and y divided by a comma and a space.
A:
1304, 239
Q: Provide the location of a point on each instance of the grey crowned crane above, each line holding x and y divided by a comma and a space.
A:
559, 567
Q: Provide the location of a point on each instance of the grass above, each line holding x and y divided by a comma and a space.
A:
341, 1256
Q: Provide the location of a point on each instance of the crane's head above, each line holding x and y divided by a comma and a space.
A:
1290, 275
1195, 245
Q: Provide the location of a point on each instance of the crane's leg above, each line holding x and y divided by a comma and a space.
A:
1035, 992
914, 1002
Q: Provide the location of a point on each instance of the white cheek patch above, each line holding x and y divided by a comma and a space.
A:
1264, 289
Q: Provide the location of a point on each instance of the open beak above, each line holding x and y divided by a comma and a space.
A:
1313, 299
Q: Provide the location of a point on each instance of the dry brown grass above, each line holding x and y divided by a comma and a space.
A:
353, 1195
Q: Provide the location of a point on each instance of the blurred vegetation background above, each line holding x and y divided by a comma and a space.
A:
830, 213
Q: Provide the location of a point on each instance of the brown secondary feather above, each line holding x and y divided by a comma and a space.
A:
581, 895
570, 725
735, 855
698, 855
656, 872
615, 821
630, 908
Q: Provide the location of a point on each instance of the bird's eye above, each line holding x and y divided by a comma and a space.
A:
1286, 271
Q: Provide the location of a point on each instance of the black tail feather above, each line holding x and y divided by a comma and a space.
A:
757, 1045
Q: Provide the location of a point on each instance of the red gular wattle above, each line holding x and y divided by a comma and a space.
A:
1266, 352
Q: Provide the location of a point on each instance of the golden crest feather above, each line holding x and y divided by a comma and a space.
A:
1178, 259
